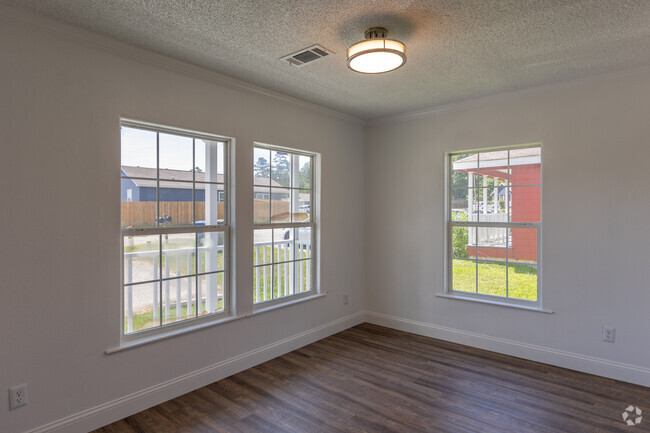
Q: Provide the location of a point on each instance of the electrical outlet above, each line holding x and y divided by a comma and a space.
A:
345, 299
17, 396
609, 334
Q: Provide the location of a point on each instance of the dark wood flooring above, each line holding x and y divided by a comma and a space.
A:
374, 379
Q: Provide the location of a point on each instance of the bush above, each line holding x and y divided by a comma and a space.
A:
460, 238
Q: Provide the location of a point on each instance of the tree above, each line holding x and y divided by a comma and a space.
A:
261, 168
304, 176
281, 172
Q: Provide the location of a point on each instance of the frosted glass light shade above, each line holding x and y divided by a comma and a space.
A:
375, 56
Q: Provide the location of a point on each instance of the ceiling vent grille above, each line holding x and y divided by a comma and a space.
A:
306, 55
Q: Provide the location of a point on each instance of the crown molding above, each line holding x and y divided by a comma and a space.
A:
112, 46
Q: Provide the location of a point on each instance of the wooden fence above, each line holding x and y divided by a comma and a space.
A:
143, 213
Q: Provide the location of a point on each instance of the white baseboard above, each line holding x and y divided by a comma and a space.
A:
128, 405
574, 361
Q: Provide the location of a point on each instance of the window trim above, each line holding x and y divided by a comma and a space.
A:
186, 325
448, 238
313, 223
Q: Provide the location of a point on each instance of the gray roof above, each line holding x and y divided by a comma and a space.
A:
180, 179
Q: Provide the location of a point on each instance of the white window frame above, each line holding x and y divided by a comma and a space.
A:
164, 330
450, 224
313, 223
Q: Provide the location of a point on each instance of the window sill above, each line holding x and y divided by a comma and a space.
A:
494, 302
133, 342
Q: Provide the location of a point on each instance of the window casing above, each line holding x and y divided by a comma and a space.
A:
494, 225
174, 227
284, 226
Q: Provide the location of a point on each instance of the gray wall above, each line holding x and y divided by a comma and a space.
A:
595, 207
63, 92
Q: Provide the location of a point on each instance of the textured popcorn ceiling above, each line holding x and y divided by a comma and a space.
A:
457, 49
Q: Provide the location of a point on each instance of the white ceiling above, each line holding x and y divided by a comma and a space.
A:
457, 49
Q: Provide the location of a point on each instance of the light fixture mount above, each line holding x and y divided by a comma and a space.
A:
376, 33
377, 54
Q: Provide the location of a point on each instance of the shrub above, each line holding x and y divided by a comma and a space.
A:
459, 238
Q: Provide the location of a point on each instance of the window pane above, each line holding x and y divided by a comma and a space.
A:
283, 244
485, 199
461, 245
262, 247
208, 161
493, 164
303, 275
138, 207
210, 203
280, 201
176, 157
492, 279
221, 159
303, 243
175, 295
141, 307
464, 275
211, 293
492, 243
524, 245
302, 205
212, 248
141, 258
138, 152
178, 254
525, 204
522, 282
175, 207
262, 166
262, 205
303, 180
461, 165
525, 166
283, 280
460, 202
262, 283
280, 168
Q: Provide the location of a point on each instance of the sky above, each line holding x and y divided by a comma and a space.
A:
139, 149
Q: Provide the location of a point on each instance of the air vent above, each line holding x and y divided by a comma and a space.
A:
307, 55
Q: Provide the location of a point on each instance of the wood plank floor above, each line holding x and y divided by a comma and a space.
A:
374, 379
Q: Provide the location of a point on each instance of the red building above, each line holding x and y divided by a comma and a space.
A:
508, 190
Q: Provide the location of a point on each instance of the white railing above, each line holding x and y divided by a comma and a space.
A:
144, 264
489, 236
288, 264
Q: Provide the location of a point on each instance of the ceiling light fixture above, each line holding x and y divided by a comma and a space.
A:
376, 54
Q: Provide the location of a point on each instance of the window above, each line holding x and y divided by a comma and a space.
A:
494, 225
174, 218
283, 249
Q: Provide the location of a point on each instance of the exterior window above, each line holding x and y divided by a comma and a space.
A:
284, 225
494, 225
174, 232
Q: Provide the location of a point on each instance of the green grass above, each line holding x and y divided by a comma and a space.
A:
522, 279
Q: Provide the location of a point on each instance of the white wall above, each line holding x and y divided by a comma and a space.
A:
596, 203
62, 93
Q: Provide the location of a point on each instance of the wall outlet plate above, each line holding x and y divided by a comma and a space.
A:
17, 396
609, 334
